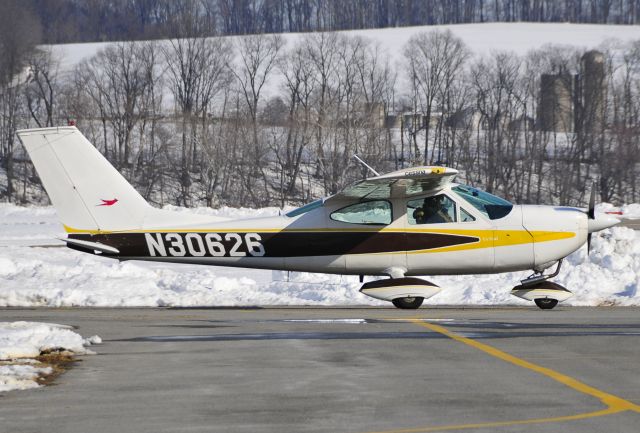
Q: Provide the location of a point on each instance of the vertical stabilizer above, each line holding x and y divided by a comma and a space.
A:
88, 193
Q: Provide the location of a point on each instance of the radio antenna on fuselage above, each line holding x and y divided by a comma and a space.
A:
365, 164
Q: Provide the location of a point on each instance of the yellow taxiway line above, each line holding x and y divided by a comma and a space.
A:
614, 404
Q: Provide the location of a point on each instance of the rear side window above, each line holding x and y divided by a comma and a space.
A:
377, 212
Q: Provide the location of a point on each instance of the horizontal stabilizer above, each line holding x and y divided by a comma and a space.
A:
97, 246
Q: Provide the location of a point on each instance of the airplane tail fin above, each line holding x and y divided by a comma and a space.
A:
89, 194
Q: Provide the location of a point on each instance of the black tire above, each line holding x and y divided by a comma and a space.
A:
408, 303
546, 303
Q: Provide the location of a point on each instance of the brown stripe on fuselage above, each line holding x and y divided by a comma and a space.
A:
300, 244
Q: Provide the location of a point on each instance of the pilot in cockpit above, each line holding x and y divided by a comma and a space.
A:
432, 211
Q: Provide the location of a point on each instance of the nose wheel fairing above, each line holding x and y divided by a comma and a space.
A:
546, 294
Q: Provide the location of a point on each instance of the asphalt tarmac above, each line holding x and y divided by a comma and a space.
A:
340, 370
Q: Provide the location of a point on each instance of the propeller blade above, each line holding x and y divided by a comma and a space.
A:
591, 213
592, 202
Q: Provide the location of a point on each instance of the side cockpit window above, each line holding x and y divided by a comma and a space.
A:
491, 206
377, 212
437, 209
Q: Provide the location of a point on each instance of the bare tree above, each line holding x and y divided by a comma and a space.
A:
378, 85
196, 73
324, 51
258, 56
116, 80
499, 101
257, 60
42, 89
19, 32
434, 60
298, 87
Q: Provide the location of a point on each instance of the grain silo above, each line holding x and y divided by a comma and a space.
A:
555, 111
591, 114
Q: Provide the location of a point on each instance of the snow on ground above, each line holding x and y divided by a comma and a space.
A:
22, 342
480, 38
30, 339
46, 276
21, 376
28, 226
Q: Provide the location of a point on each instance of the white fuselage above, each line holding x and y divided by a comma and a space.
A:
528, 237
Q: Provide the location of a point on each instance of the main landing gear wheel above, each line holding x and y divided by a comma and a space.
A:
546, 303
409, 303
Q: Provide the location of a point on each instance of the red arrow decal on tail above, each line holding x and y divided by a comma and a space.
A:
108, 202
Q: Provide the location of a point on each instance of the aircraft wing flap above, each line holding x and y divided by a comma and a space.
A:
398, 184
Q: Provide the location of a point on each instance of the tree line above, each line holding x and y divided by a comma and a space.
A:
256, 121
62, 21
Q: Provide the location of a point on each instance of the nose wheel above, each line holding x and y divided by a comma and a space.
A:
539, 289
545, 294
408, 303
546, 303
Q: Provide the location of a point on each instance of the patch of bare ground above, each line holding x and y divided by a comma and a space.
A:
59, 362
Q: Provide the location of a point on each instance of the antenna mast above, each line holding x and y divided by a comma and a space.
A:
365, 164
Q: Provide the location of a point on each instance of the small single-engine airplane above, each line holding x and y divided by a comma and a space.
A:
410, 222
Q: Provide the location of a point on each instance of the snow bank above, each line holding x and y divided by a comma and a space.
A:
629, 211
31, 339
20, 342
21, 376
37, 225
59, 277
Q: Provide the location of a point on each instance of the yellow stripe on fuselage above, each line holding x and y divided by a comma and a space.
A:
486, 238
498, 238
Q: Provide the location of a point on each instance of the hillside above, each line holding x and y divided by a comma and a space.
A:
275, 119
480, 38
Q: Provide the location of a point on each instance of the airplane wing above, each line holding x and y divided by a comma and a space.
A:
402, 183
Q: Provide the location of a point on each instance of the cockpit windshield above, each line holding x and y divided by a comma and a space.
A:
490, 205
306, 208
